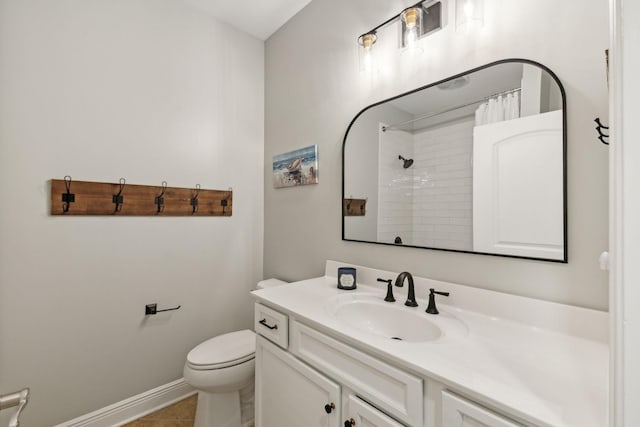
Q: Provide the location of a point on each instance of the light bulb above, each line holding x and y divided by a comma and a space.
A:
367, 61
410, 37
366, 43
412, 28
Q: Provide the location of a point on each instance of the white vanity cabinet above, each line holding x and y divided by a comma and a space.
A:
322, 382
290, 393
386, 387
498, 361
312, 379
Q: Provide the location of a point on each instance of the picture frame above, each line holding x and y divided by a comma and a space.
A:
297, 167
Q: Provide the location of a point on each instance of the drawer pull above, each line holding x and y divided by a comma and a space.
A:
350, 422
329, 407
263, 322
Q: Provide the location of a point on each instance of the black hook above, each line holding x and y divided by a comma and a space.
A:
160, 197
118, 199
225, 202
68, 197
194, 199
601, 135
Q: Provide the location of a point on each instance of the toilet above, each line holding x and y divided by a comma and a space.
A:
222, 370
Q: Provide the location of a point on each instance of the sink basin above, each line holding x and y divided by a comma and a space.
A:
390, 321
371, 314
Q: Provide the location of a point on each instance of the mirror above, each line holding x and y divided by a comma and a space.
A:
473, 163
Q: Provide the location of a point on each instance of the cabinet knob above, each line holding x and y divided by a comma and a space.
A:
350, 422
329, 407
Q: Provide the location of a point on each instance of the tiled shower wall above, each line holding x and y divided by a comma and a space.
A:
430, 203
442, 209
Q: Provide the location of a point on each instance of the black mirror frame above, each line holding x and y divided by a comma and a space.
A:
565, 259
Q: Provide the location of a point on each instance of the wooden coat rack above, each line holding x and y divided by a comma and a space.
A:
354, 207
98, 198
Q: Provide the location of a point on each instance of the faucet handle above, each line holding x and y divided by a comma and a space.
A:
431, 291
431, 308
389, 282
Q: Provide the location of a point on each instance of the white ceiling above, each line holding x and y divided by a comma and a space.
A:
481, 84
259, 18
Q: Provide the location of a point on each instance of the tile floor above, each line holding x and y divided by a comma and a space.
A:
180, 414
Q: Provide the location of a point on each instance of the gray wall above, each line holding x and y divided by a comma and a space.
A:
314, 88
149, 90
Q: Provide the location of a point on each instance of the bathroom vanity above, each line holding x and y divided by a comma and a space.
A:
329, 357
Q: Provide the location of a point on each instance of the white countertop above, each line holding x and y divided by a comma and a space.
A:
546, 376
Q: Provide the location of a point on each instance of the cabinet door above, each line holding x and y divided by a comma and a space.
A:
290, 393
360, 414
458, 412
394, 391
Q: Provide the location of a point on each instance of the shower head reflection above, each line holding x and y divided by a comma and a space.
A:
406, 163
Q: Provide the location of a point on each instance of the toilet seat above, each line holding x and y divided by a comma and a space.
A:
223, 351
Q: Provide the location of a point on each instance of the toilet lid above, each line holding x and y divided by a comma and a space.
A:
224, 350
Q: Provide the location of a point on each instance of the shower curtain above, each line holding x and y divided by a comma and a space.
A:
499, 108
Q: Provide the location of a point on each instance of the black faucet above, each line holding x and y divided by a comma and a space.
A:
431, 308
411, 294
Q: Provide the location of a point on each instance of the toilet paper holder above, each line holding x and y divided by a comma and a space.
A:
150, 309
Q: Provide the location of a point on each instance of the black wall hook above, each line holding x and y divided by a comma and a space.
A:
68, 197
118, 199
225, 202
194, 199
160, 198
601, 134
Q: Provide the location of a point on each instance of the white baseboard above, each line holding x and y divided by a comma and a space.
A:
134, 407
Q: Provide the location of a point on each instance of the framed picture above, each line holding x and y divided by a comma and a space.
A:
298, 167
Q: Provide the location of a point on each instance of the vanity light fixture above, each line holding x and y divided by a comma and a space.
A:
411, 28
365, 52
415, 21
469, 13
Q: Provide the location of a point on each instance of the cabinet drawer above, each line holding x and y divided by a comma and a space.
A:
459, 412
366, 415
386, 387
272, 325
